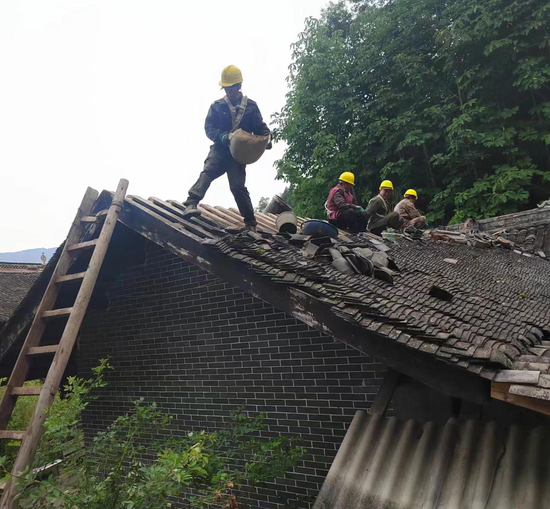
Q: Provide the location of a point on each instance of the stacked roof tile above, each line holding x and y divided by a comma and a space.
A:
15, 281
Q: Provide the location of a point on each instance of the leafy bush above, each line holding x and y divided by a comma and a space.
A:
140, 463
20, 418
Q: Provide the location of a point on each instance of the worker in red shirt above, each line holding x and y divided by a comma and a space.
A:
342, 208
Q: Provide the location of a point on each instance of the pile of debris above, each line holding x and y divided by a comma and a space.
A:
347, 255
480, 240
350, 257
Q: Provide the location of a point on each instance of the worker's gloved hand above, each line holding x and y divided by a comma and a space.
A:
361, 209
225, 140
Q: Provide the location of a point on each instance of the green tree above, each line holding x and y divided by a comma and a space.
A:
262, 204
451, 97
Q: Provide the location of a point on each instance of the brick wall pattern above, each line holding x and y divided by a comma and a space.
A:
200, 348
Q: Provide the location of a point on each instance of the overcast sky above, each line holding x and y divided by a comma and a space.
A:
92, 91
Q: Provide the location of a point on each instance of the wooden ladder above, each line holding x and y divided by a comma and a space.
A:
62, 351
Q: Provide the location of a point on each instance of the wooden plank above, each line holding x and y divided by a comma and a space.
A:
62, 355
213, 218
501, 392
517, 377
205, 216
220, 217
10, 434
82, 245
29, 390
70, 277
42, 350
235, 216
194, 228
259, 220
57, 313
156, 217
178, 209
202, 221
385, 393
21, 366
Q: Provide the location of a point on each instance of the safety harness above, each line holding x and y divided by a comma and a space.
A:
237, 112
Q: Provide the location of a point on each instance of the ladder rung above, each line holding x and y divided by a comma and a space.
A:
55, 313
83, 245
42, 350
88, 219
11, 434
70, 277
30, 390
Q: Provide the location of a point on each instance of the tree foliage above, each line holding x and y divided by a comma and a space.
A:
262, 204
140, 463
451, 97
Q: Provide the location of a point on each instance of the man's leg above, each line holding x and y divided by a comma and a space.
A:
349, 219
393, 220
214, 167
236, 173
418, 222
363, 221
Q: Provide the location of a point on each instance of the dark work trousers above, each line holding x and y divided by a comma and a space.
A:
215, 166
353, 220
392, 220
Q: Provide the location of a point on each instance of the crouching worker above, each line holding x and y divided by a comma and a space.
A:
342, 209
408, 212
379, 211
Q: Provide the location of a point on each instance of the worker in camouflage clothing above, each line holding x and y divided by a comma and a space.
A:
408, 212
379, 210
225, 115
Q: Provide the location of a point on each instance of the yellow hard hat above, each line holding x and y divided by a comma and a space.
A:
348, 177
231, 75
387, 184
410, 192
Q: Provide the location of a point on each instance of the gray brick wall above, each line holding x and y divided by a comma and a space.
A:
200, 348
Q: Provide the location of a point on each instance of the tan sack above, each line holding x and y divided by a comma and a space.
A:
247, 148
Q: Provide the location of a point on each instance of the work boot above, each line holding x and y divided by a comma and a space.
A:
191, 211
250, 227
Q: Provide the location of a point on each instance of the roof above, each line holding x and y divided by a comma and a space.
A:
495, 327
15, 281
385, 463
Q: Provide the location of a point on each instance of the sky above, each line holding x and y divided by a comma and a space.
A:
95, 91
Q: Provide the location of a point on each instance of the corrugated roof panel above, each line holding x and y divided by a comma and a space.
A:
385, 463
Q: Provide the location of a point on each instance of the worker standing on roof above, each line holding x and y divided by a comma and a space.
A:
408, 212
379, 210
225, 115
342, 209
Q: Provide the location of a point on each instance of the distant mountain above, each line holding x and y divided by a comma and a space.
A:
28, 255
